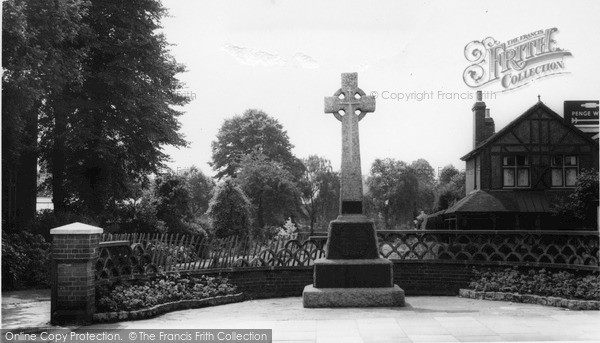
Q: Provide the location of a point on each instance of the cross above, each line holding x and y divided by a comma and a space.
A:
350, 105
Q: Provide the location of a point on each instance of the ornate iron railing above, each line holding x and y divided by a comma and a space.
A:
562, 248
132, 255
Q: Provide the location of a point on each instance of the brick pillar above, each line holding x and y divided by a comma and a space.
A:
74, 255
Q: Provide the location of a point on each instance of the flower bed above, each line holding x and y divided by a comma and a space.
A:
108, 317
538, 282
571, 304
164, 289
561, 289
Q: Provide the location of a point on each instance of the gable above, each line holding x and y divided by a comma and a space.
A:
536, 127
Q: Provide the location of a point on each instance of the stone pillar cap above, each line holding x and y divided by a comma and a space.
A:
76, 229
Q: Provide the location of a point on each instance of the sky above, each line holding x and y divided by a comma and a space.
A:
284, 57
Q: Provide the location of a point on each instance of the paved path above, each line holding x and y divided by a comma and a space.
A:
26, 309
424, 319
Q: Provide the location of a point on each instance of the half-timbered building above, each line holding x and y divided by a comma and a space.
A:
517, 177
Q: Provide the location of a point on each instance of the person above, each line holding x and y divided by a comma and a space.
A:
421, 221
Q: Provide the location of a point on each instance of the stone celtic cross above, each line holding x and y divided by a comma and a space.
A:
349, 105
352, 274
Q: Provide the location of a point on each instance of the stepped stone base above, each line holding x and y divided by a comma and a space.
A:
353, 274
353, 297
358, 273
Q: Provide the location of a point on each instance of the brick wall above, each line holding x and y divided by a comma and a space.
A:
415, 277
431, 278
268, 282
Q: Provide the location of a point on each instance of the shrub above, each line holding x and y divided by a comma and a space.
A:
163, 289
25, 261
230, 211
46, 220
171, 205
175, 252
288, 231
580, 210
539, 282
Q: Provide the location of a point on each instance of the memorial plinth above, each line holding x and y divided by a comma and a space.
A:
352, 297
352, 274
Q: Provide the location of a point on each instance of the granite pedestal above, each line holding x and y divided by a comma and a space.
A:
352, 274
352, 297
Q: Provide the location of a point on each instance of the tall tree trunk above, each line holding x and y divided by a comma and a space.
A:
313, 216
9, 193
58, 158
26, 183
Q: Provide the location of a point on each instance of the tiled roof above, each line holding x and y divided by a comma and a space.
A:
512, 124
508, 201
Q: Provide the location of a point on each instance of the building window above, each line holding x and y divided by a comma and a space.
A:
515, 171
565, 169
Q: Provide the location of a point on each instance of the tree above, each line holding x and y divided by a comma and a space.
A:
201, 187
423, 171
110, 132
230, 211
143, 214
394, 187
270, 188
447, 173
426, 177
320, 191
41, 54
254, 132
450, 188
173, 205
582, 204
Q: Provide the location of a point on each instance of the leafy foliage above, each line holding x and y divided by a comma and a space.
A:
200, 187
123, 114
270, 188
448, 173
40, 55
288, 231
583, 202
47, 220
173, 203
140, 215
25, 261
426, 193
394, 188
538, 282
424, 171
97, 79
163, 289
230, 211
254, 132
320, 187
42, 52
451, 187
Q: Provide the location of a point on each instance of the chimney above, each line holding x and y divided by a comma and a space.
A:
483, 124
